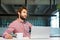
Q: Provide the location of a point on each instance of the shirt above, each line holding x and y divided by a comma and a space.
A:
19, 27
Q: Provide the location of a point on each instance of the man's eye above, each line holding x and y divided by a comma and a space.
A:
24, 12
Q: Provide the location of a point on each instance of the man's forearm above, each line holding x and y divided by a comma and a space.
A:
7, 36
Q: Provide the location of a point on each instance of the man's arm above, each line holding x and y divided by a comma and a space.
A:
7, 36
30, 26
7, 33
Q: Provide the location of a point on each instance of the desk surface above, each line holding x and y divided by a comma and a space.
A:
52, 38
26, 39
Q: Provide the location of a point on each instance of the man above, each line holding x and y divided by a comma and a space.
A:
20, 25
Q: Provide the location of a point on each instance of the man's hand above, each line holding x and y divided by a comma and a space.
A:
8, 36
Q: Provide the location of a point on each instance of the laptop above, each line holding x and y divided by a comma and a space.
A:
40, 32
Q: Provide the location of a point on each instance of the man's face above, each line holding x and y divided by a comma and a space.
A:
23, 14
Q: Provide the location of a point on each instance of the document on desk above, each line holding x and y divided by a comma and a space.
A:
19, 36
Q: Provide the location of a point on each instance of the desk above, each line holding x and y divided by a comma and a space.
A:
14, 38
26, 39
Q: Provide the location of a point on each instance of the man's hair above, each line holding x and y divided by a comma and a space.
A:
21, 8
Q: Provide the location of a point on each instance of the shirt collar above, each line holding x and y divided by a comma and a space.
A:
21, 21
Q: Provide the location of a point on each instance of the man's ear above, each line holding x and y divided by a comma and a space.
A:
18, 13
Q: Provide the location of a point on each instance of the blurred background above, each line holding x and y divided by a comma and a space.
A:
42, 13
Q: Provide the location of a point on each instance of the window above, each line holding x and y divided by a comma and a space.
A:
55, 20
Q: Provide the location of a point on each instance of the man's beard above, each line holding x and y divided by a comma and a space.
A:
22, 18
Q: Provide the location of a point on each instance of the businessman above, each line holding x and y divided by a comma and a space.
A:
20, 25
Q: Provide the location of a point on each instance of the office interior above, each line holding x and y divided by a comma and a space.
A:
41, 13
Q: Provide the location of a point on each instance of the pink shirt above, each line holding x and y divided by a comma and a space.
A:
19, 27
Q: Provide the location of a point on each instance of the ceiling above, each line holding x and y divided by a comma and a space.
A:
37, 7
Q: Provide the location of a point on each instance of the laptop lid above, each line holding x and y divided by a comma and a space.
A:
40, 32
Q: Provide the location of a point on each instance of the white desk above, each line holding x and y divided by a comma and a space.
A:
25, 39
52, 38
13, 39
